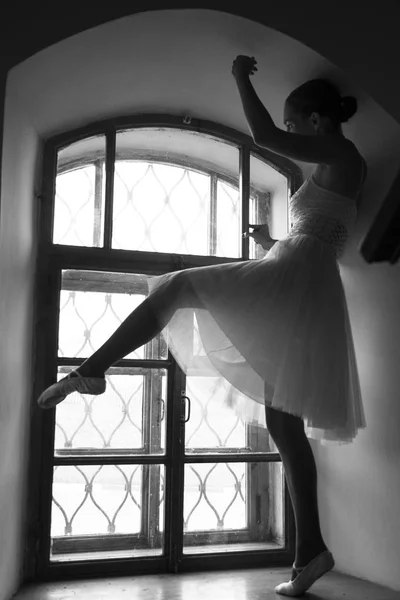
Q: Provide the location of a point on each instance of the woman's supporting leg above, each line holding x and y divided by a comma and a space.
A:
142, 325
288, 433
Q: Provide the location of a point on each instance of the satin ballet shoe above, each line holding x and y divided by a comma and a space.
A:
320, 565
73, 382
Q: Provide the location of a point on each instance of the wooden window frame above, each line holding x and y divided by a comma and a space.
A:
52, 259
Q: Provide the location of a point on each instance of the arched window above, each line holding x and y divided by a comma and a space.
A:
123, 200
164, 188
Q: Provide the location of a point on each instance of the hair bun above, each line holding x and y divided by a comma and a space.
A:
348, 106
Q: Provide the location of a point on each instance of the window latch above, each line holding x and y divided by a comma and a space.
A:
185, 419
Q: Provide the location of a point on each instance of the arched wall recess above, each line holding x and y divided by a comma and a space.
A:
81, 79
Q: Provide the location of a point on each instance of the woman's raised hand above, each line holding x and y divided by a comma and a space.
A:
244, 66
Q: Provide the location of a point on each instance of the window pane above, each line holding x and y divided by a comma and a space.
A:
107, 511
213, 426
129, 418
80, 193
268, 202
233, 507
228, 220
160, 208
176, 191
92, 306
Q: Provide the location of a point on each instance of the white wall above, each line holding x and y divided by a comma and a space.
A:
117, 69
17, 254
359, 484
176, 61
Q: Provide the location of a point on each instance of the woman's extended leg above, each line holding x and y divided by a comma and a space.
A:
288, 433
142, 325
137, 329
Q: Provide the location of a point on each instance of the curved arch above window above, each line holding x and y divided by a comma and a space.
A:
165, 185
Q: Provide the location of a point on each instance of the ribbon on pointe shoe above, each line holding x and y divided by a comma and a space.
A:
308, 575
73, 382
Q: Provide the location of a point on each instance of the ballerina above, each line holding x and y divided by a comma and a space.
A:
277, 329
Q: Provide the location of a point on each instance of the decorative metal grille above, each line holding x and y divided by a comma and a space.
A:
167, 208
228, 220
129, 417
160, 208
130, 414
88, 318
78, 206
157, 208
212, 425
115, 420
215, 497
103, 499
232, 506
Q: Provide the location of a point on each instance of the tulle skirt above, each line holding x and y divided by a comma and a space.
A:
277, 329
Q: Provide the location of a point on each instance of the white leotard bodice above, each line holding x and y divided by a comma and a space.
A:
324, 214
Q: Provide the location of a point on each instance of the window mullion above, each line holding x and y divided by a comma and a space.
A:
244, 187
109, 201
212, 223
98, 198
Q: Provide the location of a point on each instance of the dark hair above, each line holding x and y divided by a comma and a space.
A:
321, 96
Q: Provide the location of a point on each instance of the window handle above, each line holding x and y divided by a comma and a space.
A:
184, 398
161, 414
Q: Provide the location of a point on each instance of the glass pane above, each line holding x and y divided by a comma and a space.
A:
107, 511
129, 418
268, 202
228, 220
92, 306
80, 193
233, 507
168, 198
213, 426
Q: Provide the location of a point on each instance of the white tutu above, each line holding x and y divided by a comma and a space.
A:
278, 331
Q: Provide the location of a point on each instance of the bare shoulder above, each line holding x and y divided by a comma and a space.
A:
344, 176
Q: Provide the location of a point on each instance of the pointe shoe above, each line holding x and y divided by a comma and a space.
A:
73, 382
320, 565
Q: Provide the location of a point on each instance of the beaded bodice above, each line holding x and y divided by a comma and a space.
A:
318, 212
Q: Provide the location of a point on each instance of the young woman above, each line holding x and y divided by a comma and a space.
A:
276, 329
